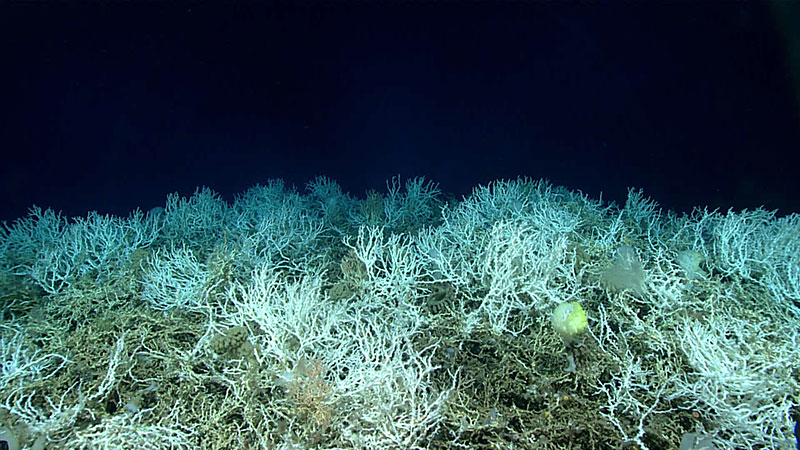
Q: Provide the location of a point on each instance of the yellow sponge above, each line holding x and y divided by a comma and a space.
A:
569, 320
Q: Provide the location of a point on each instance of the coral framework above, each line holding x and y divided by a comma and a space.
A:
403, 319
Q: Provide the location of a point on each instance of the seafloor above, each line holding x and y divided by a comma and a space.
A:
403, 319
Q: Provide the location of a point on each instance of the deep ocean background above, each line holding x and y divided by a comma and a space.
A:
111, 106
